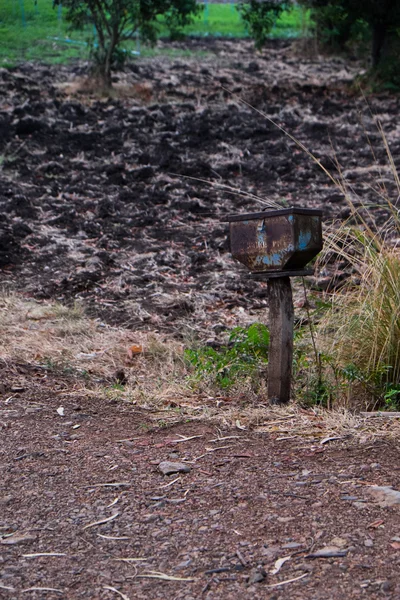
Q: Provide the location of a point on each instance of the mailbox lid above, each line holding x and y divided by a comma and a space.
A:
265, 214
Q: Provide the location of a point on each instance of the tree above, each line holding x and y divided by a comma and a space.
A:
260, 16
340, 16
117, 21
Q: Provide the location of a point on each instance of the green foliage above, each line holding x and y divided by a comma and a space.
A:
118, 21
244, 355
335, 27
260, 16
392, 397
338, 21
46, 35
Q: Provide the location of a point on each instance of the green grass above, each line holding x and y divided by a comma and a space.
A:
29, 35
29, 32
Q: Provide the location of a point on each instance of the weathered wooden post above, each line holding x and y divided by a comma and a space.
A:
277, 245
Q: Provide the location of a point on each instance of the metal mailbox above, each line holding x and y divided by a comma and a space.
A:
276, 240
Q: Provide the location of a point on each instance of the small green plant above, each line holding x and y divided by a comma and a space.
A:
392, 397
245, 354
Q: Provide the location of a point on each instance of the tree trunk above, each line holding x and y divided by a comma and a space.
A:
379, 31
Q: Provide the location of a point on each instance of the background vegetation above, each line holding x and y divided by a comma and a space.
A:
41, 32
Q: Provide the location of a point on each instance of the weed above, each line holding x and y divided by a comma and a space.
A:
245, 356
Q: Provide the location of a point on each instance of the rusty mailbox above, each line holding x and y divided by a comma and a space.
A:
276, 240
276, 245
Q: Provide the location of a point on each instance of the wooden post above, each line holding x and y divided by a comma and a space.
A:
280, 356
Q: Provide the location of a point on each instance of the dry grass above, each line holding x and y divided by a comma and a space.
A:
59, 337
65, 338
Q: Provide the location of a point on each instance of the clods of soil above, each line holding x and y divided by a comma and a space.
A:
102, 199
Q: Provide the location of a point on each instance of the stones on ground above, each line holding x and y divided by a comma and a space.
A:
328, 552
338, 542
256, 576
385, 495
169, 468
17, 538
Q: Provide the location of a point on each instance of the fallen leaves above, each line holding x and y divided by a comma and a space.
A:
375, 524
134, 350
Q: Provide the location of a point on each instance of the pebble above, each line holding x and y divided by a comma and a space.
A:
168, 468
256, 576
368, 543
385, 495
291, 546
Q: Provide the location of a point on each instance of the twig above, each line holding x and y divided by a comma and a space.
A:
185, 439
131, 560
6, 587
43, 589
112, 589
228, 437
274, 585
158, 575
37, 554
116, 484
107, 520
113, 537
241, 558
113, 503
171, 482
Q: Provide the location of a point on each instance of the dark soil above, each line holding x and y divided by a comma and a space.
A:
93, 201
249, 499
94, 207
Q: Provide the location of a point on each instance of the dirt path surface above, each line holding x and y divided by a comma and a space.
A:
93, 202
86, 488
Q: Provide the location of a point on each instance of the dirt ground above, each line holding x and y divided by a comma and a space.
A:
93, 196
84, 489
96, 206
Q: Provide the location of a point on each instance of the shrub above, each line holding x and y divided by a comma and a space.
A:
117, 21
260, 16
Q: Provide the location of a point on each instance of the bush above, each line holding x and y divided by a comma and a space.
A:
260, 16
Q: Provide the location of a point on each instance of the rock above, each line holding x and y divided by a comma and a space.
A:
291, 546
285, 519
168, 468
5, 500
368, 543
17, 538
256, 576
328, 552
270, 552
338, 542
385, 495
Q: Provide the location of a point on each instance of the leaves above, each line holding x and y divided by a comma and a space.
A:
247, 350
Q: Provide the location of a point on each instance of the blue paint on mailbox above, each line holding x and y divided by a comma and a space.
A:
304, 239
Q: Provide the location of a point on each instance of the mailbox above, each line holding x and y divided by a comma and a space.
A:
274, 241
